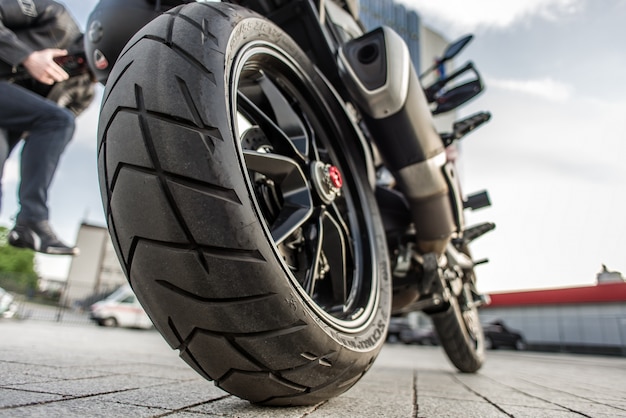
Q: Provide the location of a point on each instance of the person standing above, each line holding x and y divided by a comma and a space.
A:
32, 34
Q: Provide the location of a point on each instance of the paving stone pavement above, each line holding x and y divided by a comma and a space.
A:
60, 370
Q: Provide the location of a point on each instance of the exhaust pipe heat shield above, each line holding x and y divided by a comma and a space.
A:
379, 75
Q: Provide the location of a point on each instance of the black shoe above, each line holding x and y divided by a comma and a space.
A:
39, 236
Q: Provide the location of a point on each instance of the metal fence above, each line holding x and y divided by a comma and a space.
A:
47, 303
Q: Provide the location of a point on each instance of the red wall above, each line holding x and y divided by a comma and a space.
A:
606, 292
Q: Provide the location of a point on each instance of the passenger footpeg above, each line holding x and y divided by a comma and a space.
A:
465, 126
477, 200
473, 232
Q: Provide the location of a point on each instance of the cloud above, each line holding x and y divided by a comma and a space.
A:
545, 88
461, 15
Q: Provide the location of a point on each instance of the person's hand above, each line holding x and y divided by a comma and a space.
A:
41, 65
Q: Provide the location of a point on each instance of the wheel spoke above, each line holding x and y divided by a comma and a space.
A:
326, 249
297, 205
286, 118
280, 141
334, 248
336, 213
313, 237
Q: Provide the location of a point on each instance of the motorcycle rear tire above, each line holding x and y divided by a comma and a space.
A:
274, 290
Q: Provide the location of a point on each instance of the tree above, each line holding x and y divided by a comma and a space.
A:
17, 265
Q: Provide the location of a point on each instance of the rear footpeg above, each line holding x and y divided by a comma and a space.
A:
477, 200
480, 299
465, 126
477, 231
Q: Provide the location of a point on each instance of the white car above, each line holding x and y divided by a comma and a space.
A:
120, 309
8, 307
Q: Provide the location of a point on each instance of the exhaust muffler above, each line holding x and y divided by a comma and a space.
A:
379, 75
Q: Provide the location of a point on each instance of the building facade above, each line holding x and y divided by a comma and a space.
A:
96, 271
587, 319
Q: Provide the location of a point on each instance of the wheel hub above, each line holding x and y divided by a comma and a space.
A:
327, 181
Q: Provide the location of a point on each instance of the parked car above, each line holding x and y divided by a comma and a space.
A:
8, 307
120, 309
421, 336
397, 324
499, 335
406, 331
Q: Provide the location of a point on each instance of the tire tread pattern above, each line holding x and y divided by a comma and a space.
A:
235, 332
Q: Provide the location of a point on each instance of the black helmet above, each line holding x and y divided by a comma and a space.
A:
110, 26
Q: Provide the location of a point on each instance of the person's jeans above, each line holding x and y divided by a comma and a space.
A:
49, 129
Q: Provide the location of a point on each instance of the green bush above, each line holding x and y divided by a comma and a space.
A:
17, 267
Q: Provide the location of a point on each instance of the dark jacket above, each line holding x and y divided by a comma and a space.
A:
33, 25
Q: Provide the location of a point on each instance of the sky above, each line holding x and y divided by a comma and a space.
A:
552, 157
